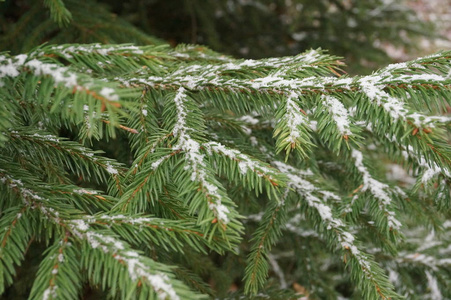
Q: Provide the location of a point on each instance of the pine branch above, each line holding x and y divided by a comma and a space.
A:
192, 143
59, 12
265, 236
368, 275
14, 238
59, 275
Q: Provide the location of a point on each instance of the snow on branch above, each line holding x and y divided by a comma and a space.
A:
14, 66
137, 267
307, 190
339, 114
245, 163
96, 48
77, 153
281, 65
80, 228
373, 89
292, 127
195, 159
294, 118
431, 168
17, 185
9, 66
379, 190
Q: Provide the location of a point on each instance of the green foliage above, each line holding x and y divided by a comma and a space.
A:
192, 185
154, 172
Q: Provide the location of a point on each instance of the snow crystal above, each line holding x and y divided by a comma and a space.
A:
195, 160
158, 162
294, 117
20, 59
311, 56
394, 67
83, 191
9, 66
324, 211
47, 137
80, 224
221, 211
49, 293
393, 106
313, 125
249, 63
433, 287
59, 74
339, 114
109, 93
131, 254
421, 121
377, 188
249, 119
110, 169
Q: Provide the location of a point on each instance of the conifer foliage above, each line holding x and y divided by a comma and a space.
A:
154, 172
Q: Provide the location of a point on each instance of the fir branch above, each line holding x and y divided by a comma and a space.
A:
119, 251
41, 146
106, 96
59, 273
292, 129
381, 192
14, 238
59, 13
265, 236
172, 235
196, 163
141, 271
368, 275
251, 171
194, 133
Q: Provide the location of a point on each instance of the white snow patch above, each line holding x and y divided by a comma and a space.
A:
50, 293
59, 74
110, 169
435, 293
377, 188
109, 93
195, 160
339, 114
294, 117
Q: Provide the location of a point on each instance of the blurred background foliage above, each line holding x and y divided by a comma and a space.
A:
359, 31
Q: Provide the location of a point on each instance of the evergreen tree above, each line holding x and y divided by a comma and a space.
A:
154, 172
